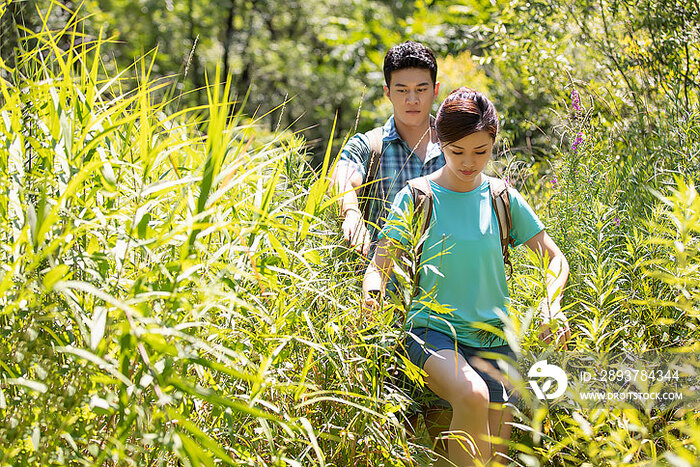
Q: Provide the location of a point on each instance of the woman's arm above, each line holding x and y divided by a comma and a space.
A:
557, 274
378, 273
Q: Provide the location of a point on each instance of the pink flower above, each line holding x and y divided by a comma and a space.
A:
577, 142
575, 100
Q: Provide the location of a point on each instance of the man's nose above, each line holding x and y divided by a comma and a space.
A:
412, 96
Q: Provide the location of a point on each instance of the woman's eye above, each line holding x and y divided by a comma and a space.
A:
456, 153
481, 153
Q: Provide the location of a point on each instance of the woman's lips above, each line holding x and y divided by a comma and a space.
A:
467, 172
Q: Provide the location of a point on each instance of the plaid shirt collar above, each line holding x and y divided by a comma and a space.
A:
390, 134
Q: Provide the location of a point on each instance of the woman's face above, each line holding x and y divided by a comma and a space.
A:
466, 158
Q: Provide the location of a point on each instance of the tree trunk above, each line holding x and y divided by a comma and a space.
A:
194, 66
228, 38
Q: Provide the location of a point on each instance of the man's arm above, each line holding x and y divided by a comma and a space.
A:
346, 182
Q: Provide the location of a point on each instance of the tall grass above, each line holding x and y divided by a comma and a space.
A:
173, 289
169, 293
623, 207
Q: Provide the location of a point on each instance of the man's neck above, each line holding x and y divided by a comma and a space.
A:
417, 137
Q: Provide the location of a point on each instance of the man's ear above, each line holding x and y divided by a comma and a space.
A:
437, 88
386, 91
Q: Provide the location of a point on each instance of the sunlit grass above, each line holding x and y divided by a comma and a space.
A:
173, 289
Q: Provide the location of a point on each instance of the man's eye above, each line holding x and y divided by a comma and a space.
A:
422, 89
457, 153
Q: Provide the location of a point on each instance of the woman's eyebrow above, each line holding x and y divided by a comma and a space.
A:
460, 147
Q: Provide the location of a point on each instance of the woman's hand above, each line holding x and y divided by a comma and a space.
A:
371, 299
555, 325
371, 304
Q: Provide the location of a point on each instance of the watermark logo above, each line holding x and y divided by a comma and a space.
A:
553, 374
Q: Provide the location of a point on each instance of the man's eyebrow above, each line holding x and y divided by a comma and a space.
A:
401, 85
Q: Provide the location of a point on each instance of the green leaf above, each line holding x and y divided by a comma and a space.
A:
279, 249
204, 439
158, 343
101, 363
54, 275
314, 441
100, 406
36, 438
219, 400
318, 188
33, 385
313, 257
142, 226
97, 327
196, 454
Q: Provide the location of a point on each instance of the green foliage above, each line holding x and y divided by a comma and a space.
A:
167, 290
172, 285
620, 198
314, 56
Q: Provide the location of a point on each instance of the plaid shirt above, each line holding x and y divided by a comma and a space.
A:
398, 164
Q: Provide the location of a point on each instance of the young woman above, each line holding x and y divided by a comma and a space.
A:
463, 244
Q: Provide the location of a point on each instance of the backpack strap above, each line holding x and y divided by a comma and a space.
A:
422, 196
500, 199
375, 138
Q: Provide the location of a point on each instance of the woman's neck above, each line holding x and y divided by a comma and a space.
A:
452, 183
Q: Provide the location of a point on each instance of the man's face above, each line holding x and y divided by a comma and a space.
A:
412, 93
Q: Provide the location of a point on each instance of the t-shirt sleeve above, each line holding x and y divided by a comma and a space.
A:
526, 224
395, 226
355, 154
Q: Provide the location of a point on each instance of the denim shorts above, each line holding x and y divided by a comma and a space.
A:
434, 341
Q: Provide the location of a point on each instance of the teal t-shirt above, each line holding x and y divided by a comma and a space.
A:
472, 277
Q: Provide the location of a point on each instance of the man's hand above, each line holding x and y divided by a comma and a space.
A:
554, 325
355, 232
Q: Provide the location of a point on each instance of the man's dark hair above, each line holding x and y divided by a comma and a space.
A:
409, 54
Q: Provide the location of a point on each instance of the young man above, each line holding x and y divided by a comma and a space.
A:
409, 146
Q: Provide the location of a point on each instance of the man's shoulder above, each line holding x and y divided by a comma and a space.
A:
360, 143
387, 129
356, 144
